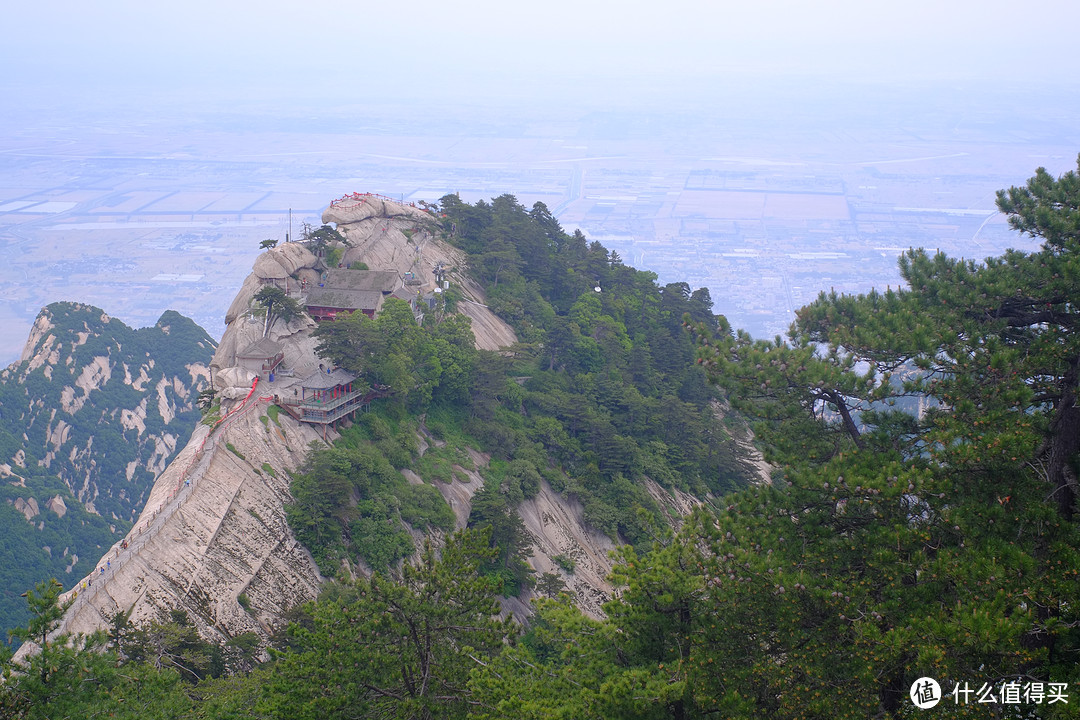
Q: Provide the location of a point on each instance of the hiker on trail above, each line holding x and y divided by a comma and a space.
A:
108, 564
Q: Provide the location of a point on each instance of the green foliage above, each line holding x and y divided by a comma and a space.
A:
23, 558
570, 666
85, 335
607, 392
269, 470
234, 451
212, 416
941, 544
320, 239
892, 545
273, 411
494, 508
359, 266
550, 585
87, 448
422, 365
278, 304
451, 298
384, 649
932, 537
45, 612
89, 681
434, 466
350, 501
78, 677
169, 644
206, 399
378, 537
989, 347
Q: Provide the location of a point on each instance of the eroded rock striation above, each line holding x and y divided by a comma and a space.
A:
214, 531
101, 405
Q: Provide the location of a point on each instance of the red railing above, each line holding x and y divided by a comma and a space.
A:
359, 199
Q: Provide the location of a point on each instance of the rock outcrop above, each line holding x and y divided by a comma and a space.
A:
89, 415
28, 507
385, 235
214, 526
85, 378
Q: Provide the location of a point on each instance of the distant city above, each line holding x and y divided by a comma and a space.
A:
766, 199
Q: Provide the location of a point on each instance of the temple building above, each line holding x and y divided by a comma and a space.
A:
328, 303
324, 397
347, 291
261, 357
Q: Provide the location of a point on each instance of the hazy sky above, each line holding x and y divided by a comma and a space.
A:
486, 44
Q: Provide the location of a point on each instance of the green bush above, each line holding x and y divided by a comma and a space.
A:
378, 537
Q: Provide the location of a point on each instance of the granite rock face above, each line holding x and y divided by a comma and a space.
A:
214, 527
389, 236
101, 405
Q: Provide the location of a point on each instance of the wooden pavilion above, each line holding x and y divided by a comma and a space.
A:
324, 397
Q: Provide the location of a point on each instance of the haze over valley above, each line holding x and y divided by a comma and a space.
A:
448, 454
766, 193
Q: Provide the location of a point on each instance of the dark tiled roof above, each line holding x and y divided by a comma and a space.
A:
344, 299
322, 380
383, 281
404, 293
261, 348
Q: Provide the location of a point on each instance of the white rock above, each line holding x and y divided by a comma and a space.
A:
57, 505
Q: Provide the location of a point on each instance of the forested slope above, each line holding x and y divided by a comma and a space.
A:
890, 547
89, 416
601, 401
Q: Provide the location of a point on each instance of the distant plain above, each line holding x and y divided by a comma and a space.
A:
766, 195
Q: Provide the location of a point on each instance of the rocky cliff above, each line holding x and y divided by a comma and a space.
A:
389, 236
213, 539
101, 405
90, 414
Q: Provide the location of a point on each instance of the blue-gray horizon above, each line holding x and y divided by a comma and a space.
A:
484, 47
764, 150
